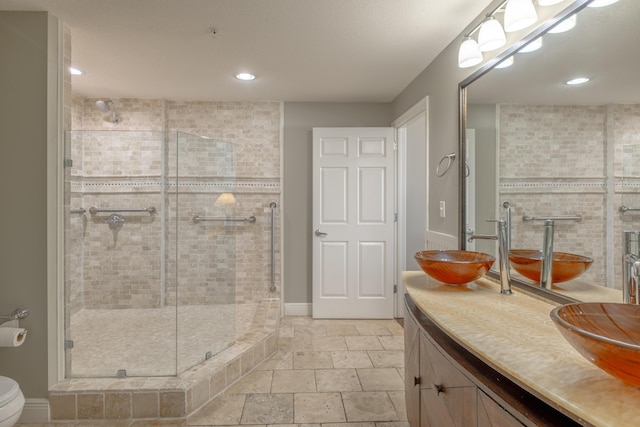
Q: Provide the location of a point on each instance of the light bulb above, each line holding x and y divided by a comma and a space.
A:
549, 2
506, 63
565, 25
533, 46
519, 14
491, 35
469, 53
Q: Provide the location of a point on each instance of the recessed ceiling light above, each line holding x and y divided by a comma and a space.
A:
578, 81
75, 71
245, 76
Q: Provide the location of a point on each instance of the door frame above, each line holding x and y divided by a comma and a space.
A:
400, 124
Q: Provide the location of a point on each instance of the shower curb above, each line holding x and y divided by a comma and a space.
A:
168, 398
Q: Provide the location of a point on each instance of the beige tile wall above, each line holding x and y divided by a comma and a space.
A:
554, 160
121, 269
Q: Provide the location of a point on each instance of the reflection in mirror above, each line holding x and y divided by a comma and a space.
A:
555, 150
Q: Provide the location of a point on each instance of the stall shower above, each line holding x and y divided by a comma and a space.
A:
154, 236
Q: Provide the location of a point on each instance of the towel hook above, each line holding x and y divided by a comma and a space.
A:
449, 158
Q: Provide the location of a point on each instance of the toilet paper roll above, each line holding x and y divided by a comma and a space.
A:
12, 337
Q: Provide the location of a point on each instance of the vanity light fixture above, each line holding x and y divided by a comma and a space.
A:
577, 81
245, 76
565, 25
601, 3
532, 46
469, 53
491, 35
75, 71
505, 63
519, 14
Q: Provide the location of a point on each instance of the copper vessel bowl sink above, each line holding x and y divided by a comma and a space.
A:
606, 334
454, 267
528, 262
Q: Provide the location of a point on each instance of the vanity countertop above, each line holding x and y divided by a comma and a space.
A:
515, 335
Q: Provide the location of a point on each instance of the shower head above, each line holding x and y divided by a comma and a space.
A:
105, 107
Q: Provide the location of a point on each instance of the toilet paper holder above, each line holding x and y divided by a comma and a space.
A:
20, 313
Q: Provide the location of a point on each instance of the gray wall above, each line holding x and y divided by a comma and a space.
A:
25, 46
299, 119
439, 81
416, 200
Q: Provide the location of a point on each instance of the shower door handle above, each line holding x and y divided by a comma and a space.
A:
319, 233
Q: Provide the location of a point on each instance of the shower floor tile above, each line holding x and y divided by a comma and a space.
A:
144, 342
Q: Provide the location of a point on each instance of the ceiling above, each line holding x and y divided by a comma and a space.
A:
300, 50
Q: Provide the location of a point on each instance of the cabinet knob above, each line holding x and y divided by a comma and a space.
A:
416, 381
438, 388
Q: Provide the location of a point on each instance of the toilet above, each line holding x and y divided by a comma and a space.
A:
11, 402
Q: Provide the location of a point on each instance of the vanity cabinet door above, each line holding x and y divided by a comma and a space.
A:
490, 414
448, 398
412, 370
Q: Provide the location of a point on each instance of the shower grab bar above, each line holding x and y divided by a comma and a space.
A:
78, 211
624, 209
272, 288
93, 210
553, 218
198, 218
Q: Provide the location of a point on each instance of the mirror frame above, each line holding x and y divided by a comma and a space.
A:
542, 29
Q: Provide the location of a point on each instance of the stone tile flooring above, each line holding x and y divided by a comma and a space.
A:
326, 373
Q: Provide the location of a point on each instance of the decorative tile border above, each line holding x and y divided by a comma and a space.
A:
96, 185
589, 185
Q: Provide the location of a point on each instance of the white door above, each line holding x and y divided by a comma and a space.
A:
353, 222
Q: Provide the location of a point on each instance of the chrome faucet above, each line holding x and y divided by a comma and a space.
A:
507, 219
503, 254
631, 267
547, 255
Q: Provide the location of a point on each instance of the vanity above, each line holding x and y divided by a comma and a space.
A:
475, 357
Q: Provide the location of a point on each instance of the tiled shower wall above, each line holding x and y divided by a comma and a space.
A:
567, 160
121, 269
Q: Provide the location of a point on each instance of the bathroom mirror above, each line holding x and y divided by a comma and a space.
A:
551, 149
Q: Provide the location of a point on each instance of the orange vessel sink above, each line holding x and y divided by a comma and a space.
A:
454, 267
528, 262
606, 334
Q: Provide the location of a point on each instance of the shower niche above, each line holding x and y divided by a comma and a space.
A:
148, 290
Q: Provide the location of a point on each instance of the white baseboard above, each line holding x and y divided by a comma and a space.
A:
297, 309
36, 411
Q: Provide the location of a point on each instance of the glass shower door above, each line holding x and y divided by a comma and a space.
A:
117, 320
207, 224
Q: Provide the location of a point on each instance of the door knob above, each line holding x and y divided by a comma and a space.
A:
319, 233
